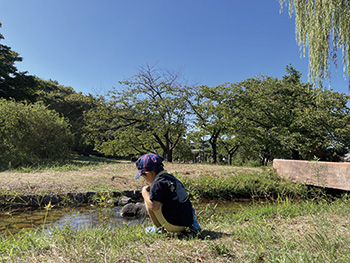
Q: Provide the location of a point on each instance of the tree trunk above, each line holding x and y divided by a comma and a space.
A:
213, 142
215, 154
230, 159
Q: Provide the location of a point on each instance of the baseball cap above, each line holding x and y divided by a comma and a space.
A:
147, 163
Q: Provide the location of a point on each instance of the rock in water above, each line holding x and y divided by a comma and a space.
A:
133, 210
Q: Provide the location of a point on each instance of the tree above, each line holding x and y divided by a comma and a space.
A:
323, 27
212, 113
230, 145
288, 119
183, 150
69, 104
148, 115
14, 84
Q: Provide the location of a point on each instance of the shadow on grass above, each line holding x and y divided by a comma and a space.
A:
211, 235
205, 235
73, 162
80, 161
93, 160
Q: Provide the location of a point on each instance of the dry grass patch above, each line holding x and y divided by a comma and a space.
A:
116, 176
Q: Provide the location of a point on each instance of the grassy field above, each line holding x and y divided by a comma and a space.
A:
297, 225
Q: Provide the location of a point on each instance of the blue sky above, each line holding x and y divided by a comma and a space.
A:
90, 45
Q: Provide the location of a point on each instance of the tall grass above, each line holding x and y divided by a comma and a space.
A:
254, 185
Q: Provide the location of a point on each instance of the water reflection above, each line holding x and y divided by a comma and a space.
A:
76, 217
95, 216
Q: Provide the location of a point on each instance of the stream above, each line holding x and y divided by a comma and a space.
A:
91, 216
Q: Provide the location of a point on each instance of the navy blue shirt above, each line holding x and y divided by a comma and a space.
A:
176, 205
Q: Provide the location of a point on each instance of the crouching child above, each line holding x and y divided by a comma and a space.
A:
166, 199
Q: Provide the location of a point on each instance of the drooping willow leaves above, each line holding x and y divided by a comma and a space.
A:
322, 26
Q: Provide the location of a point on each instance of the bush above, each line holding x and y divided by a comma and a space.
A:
31, 134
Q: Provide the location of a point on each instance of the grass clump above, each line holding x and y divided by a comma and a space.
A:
241, 185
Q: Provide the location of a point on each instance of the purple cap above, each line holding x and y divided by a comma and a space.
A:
147, 163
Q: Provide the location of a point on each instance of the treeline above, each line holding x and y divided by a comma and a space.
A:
255, 120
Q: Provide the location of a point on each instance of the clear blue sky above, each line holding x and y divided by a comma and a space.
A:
90, 45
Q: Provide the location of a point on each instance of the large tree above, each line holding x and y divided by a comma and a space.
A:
288, 119
322, 27
147, 115
212, 112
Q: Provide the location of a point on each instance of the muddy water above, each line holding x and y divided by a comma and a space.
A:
91, 216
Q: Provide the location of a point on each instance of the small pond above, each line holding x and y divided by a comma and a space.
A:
91, 216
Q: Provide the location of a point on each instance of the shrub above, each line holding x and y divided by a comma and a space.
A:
31, 134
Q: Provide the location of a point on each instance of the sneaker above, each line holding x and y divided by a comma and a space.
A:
161, 230
150, 229
153, 229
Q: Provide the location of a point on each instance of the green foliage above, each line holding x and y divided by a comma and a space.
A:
71, 105
257, 119
183, 150
214, 115
14, 84
322, 27
148, 115
31, 134
288, 119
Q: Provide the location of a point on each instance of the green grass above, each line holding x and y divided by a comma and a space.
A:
240, 185
285, 231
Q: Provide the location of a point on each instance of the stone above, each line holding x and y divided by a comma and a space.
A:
124, 200
134, 210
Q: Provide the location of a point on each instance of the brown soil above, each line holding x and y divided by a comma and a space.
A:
117, 177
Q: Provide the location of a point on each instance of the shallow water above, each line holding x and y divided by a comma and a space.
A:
92, 216
76, 217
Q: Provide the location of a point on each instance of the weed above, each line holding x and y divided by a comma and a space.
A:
317, 168
47, 208
220, 249
103, 198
